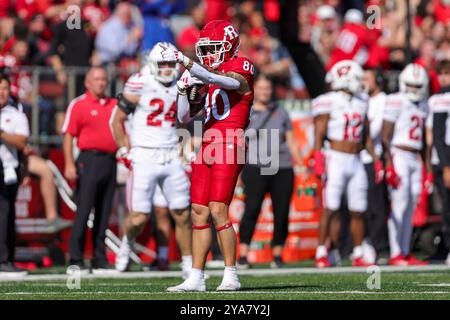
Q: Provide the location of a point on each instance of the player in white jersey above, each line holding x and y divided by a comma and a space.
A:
439, 105
402, 137
341, 116
151, 96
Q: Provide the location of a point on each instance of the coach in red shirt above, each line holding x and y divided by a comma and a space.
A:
87, 119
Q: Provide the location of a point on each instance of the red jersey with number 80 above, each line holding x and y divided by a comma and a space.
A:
228, 109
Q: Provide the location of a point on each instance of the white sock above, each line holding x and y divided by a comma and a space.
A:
357, 252
321, 252
197, 274
369, 252
229, 272
186, 262
163, 253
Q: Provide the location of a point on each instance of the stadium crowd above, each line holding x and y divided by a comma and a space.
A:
294, 43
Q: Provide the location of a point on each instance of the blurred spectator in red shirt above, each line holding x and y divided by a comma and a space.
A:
354, 40
427, 60
26, 9
20, 79
189, 36
272, 10
20, 32
441, 10
6, 8
95, 12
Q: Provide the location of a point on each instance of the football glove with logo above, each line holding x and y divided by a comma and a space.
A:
123, 156
391, 177
171, 54
379, 171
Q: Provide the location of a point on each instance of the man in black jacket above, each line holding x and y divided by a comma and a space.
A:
440, 106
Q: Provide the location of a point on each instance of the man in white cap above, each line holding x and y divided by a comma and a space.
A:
325, 31
325, 12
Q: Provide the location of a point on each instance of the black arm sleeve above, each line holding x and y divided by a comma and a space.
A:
439, 127
126, 106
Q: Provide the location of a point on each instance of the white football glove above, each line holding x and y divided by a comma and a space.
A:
170, 54
186, 81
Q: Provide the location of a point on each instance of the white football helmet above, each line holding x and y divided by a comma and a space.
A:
145, 70
346, 75
154, 61
413, 82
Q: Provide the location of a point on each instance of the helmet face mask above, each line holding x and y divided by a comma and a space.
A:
166, 72
414, 93
413, 82
163, 71
211, 53
218, 42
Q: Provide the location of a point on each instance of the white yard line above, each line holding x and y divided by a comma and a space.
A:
77, 292
219, 273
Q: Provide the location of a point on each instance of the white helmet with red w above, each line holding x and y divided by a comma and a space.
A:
218, 42
413, 81
163, 71
346, 75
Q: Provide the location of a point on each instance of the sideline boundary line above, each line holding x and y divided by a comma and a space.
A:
219, 273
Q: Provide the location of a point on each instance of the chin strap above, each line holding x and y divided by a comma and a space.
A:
224, 227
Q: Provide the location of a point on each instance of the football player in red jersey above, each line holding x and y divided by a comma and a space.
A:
229, 83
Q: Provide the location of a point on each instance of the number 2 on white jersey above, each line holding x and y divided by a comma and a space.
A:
415, 133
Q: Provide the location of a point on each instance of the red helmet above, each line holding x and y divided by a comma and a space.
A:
218, 42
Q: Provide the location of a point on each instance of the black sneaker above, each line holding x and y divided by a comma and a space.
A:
243, 263
77, 267
9, 269
276, 263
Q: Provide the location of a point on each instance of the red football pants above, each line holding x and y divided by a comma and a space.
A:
215, 172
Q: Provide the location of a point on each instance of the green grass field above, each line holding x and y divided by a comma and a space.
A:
304, 284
